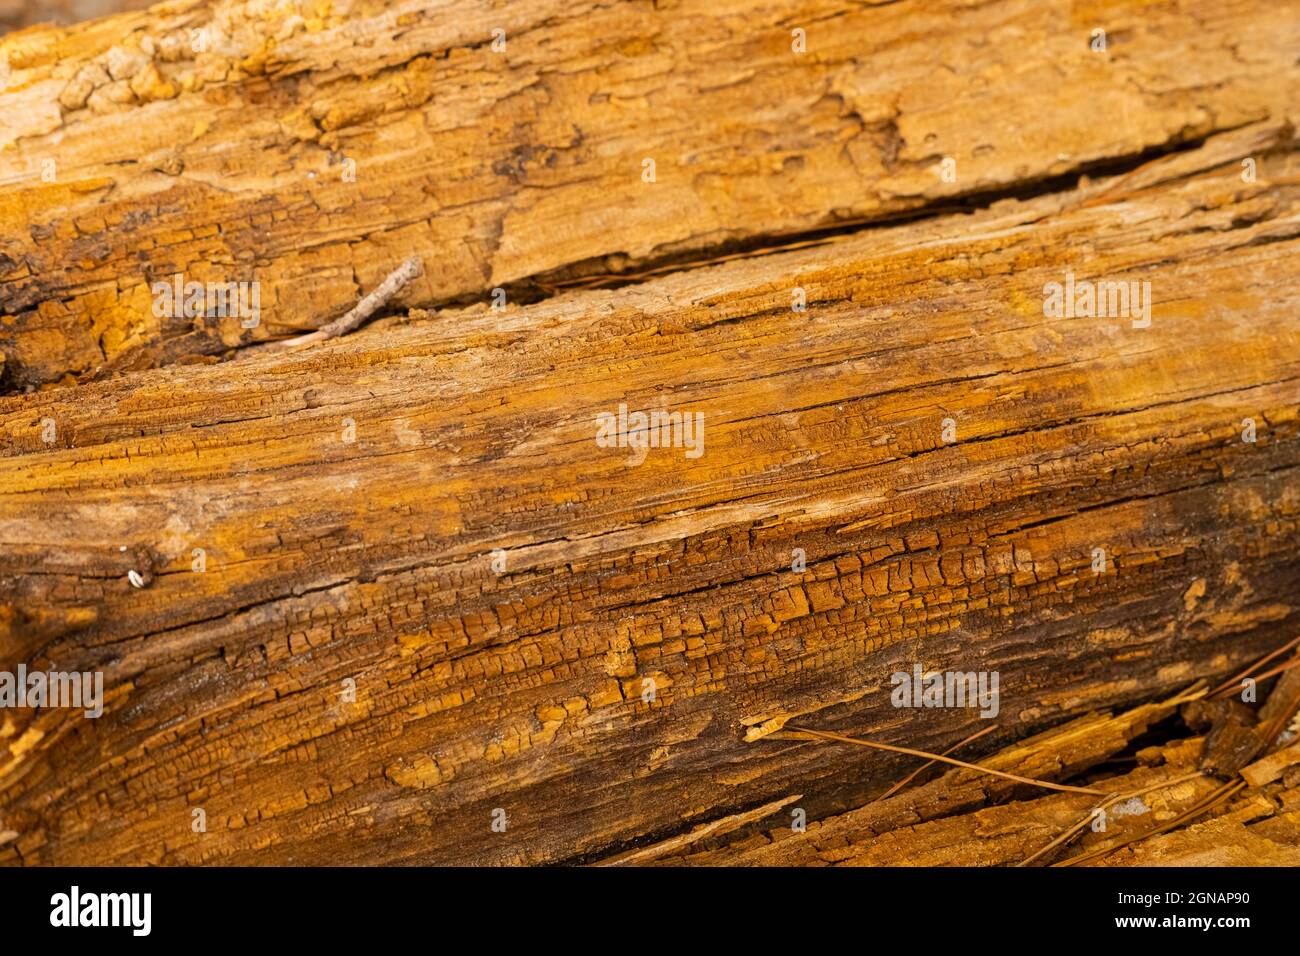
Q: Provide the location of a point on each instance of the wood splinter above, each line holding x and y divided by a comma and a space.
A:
395, 282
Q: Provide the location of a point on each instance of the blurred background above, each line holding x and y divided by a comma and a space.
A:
16, 14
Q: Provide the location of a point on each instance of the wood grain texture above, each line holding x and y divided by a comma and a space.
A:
522, 169
474, 431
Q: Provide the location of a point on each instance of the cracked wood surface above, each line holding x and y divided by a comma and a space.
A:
371, 559
521, 169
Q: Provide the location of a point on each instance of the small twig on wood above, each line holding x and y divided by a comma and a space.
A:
393, 284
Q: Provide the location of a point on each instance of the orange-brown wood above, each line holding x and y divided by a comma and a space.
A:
421, 511
312, 148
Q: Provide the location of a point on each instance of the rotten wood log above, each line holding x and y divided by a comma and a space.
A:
430, 599
312, 149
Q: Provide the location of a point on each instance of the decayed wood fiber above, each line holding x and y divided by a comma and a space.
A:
1060, 752
1162, 812
371, 560
522, 168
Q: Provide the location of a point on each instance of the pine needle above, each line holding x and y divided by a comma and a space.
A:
1117, 798
826, 735
1229, 684
1225, 792
930, 763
